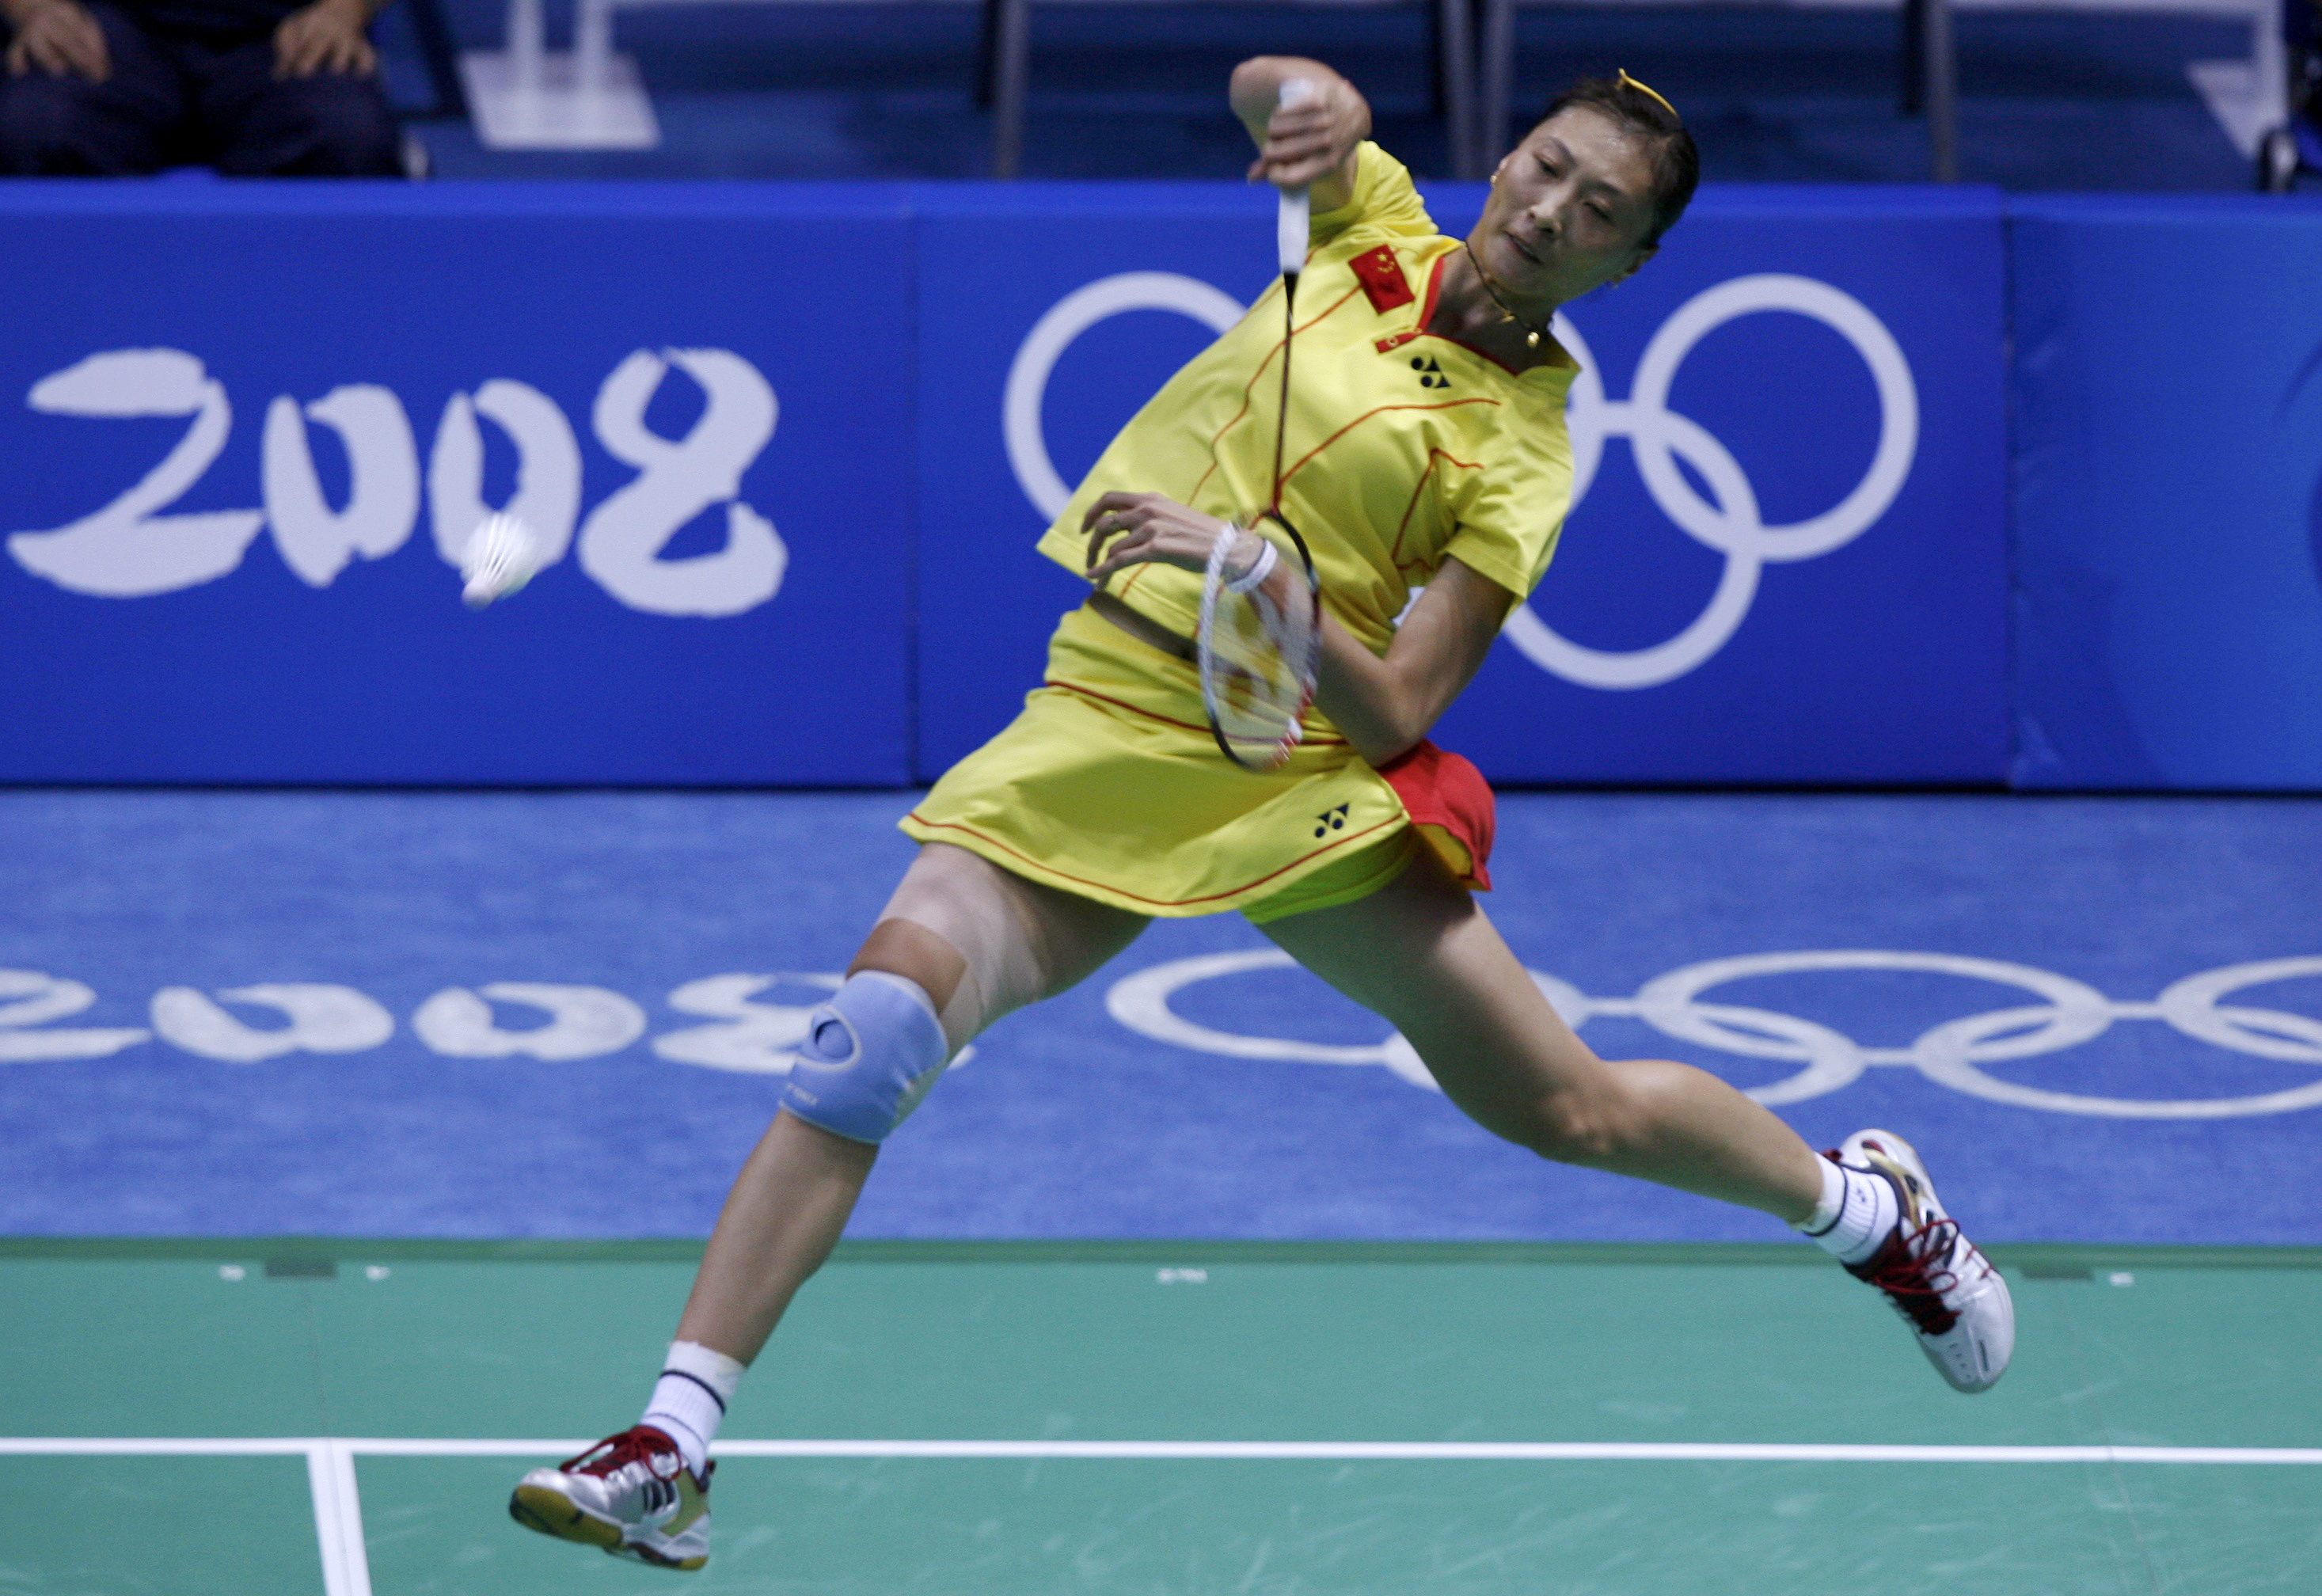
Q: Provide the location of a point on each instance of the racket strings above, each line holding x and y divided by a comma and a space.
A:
1260, 644
1256, 672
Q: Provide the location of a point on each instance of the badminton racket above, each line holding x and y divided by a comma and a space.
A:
1258, 646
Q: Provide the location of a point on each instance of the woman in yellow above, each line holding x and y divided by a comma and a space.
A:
1425, 448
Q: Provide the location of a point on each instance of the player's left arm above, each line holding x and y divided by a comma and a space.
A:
1386, 704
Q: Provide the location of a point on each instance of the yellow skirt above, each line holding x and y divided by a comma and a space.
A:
1109, 785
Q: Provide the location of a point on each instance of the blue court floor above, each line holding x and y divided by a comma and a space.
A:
565, 1014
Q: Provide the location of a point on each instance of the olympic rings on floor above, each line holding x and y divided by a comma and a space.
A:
2067, 1014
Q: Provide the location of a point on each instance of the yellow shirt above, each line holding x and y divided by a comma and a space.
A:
1403, 448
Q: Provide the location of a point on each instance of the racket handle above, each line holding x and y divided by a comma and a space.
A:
1290, 227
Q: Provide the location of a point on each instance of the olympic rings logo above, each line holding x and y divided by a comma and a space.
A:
1728, 521
1027, 375
1734, 525
2066, 1015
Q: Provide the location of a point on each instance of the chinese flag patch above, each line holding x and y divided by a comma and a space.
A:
1381, 278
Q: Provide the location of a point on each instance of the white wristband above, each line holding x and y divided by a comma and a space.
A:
1259, 569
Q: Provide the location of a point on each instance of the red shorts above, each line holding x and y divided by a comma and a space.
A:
1451, 805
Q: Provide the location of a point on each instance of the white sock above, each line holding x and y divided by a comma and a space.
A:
1858, 1211
690, 1398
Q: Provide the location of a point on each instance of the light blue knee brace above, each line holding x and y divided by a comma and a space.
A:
871, 1054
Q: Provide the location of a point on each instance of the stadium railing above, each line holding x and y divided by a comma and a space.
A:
527, 96
2248, 96
1005, 72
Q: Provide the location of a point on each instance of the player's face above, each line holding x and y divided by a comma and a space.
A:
1570, 210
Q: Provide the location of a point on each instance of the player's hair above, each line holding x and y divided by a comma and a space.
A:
1638, 110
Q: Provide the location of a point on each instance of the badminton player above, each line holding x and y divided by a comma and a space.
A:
1423, 446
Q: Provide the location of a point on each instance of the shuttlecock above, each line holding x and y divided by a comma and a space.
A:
501, 556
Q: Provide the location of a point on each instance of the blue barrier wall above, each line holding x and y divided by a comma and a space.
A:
2169, 493
1809, 583
249, 422
1790, 562
1004, 272
796, 442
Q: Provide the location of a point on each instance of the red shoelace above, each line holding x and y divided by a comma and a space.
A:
637, 1444
1914, 1269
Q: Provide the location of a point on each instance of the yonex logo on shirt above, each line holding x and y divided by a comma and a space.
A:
1431, 375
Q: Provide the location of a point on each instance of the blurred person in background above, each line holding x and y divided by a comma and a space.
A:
2294, 149
251, 87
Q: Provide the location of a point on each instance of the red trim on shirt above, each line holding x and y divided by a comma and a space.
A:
1365, 415
1251, 386
1426, 313
1404, 526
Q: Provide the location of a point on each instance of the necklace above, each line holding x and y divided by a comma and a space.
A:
1531, 334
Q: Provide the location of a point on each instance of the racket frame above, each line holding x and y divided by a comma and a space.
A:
1213, 670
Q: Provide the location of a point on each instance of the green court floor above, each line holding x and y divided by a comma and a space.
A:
1155, 1420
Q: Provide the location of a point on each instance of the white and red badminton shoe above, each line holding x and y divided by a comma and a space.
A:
1954, 1299
630, 1494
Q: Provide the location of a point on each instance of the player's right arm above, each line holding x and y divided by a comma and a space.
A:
1311, 143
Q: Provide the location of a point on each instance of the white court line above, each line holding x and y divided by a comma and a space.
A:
349, 1449
338, 1519
346, 1562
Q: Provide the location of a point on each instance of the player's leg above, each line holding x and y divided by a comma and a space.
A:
1422, 954
961, 944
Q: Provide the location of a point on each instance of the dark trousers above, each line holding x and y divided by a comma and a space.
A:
179, 100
